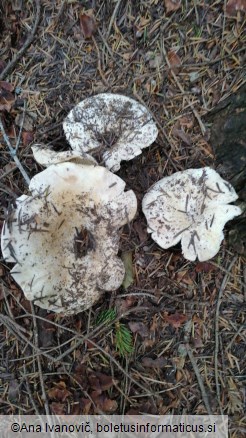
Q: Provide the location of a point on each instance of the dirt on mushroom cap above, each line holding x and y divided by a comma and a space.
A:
190, 206
111, 127
68, 201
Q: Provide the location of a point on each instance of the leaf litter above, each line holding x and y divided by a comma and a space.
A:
197, 60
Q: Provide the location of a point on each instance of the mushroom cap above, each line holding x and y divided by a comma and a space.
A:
111, 126
64, 238
46, 157
190, 206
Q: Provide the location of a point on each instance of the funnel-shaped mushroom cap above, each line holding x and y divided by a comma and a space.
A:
64, 237
190, 206
110, 127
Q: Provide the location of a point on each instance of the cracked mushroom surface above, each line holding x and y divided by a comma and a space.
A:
64, 237
192, 207
111, 128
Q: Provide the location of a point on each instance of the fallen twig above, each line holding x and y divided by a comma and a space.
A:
35, 408
25, 46
35, 338
21, 128
244, 286
13, 154
188, 326
113, 16
40, 372
216, 329
199, 379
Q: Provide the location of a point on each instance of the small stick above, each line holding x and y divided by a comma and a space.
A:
35, 339
13, 154
188, 327
12, 328
244, 279
25, 46
216, 330
199, 379
21, 128
113, 16
40, 371
29, 390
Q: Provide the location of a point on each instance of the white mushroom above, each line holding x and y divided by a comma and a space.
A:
64, 238
190, 206
111, 127
46, 157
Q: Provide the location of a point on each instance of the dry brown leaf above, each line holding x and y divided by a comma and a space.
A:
103, 403
172, 5
27, 138
122, 305
233, 6
179, 133
87, 25
205, 267
175, 319
184, 277
174, 61
58, 408
179, 375
6, 86
197, 338
186, 122
81, 407
140, 328
59, 392
129, 302
6, 96
109, 405
85, 405
100, 382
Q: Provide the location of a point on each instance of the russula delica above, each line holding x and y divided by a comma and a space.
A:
190, 206
64, 237
110, 127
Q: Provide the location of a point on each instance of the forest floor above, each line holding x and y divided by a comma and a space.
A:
184, 319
